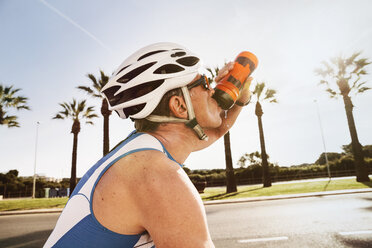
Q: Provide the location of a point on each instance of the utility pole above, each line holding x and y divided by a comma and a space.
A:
324, 145
34, 183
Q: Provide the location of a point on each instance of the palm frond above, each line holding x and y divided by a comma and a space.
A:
81, 106
324, 82
86, 89
66, 107
362, 62
10, 121
93, 79
270, 93
358, 86
9, 118
258, 89
104, 79
58, 116
23, 107
320, 72
333, 94
362, 72
96, 83
354, 85
72, 105
350, 60
91, 116
76, 110
210, 70
361, 90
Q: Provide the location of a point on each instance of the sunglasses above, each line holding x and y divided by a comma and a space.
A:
203, 80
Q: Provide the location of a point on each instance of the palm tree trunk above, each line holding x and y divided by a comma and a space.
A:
106, 117
73, 165
265, 167
106, 141
230, 177
75, 130
360, 166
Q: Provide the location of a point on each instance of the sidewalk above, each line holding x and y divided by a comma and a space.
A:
215, 202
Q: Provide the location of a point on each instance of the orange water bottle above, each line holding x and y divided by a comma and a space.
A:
227, 90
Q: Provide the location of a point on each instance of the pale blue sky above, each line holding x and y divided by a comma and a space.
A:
47, 54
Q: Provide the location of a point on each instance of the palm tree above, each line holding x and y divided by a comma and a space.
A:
94, 91
269, 96
347, 73
76, 111
8, 99
230, 176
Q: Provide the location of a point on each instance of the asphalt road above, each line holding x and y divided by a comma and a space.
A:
27, 230
328, 221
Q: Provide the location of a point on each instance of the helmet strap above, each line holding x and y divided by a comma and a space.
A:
191, 122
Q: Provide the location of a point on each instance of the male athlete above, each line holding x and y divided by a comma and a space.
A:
138, 195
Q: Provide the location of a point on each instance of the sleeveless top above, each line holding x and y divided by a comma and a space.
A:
77, 225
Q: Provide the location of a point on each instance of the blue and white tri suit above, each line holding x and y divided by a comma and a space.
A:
77, 225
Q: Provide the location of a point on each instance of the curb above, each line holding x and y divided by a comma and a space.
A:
32, 211
217, 202
292, 196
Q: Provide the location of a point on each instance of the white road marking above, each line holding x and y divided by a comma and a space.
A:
262, 239
355, 232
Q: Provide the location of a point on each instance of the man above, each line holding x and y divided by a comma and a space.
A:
138, 195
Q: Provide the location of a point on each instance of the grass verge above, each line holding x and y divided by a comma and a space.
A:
39, 203
283, 189
217, 193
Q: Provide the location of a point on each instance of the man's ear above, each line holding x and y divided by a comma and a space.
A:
177, 107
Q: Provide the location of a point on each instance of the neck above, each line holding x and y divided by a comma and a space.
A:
178, 139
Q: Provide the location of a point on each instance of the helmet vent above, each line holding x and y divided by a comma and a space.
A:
178, 54
110, 94
122, 69
168, 68
150, 53
134, 109
137, 91
188, 61
134, 73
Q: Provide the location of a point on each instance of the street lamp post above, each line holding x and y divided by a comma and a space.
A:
324, 145
34, 183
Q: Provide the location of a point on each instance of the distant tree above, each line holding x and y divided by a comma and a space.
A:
95, 91
348, 149
249, 159
9, 181
347, 73
367, 150
76, 111
331, 156
187, 170
269, 95
230, 176
8, 99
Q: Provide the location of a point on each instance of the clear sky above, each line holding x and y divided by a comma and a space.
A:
48, 47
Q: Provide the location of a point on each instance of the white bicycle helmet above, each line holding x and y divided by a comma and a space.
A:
140, 82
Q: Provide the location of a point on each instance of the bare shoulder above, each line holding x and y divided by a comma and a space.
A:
147, 191
170, 208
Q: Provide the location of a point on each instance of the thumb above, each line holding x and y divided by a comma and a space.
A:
247, 83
